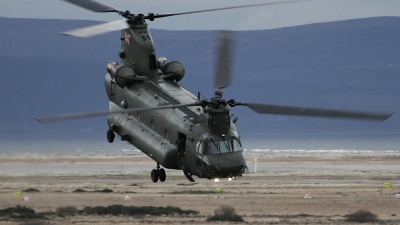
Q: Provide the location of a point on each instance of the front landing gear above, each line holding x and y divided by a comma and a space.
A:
158, 174
110, 136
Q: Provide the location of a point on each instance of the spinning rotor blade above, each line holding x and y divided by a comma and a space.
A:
98, 29
122, 24
226, 8
103, 113
306, 111
222, 76
93, 5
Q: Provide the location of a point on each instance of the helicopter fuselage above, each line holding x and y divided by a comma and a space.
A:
201, 141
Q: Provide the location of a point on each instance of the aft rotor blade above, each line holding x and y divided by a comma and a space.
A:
306, 111
226, 8
224, 48
93, 5
98, 29
103, 113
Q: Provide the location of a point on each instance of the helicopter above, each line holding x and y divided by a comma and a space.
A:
149, 108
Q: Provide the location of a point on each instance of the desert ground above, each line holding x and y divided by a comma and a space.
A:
287, 188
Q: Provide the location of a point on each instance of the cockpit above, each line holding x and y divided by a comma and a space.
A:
220, 156
220, 147
212, 145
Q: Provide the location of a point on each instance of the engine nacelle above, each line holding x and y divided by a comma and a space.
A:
172, 70
123, 75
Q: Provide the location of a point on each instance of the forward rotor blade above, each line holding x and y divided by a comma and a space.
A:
103, 113
226, 8
306, 111
222, 76
98, 29
93, 5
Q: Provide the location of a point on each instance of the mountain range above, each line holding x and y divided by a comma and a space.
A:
352, 64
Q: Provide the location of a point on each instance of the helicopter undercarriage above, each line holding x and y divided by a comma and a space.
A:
153, 145
157, 174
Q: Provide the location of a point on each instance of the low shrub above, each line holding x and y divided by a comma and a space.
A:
20, 212
362, 216
106, 190
79, 190
24, 213
31, 190
66, 210
17, 209
27, 216
225, 213
134, 210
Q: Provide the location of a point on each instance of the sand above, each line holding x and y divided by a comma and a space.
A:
335, 185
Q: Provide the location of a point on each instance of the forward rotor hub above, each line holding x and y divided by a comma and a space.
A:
217, 100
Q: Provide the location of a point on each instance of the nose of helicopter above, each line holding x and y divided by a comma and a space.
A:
226, 165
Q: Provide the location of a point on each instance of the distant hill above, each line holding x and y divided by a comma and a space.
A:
353, 64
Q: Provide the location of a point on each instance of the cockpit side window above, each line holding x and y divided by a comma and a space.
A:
211, 148
236, 146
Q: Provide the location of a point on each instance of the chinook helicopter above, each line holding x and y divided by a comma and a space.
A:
149, 108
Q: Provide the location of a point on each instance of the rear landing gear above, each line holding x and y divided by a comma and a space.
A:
161, 175
158, 174
110, 136
154, 175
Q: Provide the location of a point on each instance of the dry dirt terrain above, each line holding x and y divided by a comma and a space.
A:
323, 189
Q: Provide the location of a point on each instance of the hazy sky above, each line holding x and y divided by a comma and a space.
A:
262, 17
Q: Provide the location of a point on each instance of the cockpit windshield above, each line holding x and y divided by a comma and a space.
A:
217, 147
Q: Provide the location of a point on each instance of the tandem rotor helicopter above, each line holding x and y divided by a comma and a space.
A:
149, 108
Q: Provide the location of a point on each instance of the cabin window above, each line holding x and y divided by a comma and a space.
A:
218, 147
152, 123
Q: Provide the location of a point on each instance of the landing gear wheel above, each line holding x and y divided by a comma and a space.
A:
110, 136
154, 175
162, 175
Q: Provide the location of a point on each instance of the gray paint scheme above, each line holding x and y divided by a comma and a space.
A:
156, 132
